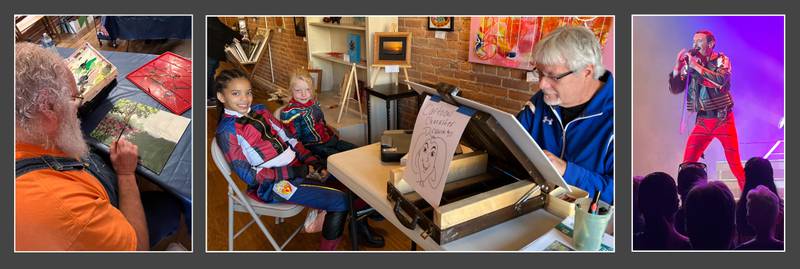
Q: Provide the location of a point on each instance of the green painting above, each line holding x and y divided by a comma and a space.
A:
154, 131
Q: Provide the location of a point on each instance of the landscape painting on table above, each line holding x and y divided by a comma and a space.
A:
154, 131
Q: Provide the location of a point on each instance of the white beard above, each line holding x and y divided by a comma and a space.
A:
70, 138
552, 101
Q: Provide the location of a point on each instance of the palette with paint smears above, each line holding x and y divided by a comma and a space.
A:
168, 79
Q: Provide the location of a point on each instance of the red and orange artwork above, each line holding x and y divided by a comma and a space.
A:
509, 41
168, 79
503, 41
600, 26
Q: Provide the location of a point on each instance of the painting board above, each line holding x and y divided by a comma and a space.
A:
92, 71
168, 79
156, 132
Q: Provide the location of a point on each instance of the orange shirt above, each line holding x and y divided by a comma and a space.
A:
59, 211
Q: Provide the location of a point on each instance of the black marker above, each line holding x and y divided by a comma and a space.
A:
593, 205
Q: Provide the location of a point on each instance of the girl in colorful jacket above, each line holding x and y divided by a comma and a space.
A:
275, 167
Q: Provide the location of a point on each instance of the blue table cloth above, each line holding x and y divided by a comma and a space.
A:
148, 27
176, 177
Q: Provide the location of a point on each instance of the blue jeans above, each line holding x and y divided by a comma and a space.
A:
310, 194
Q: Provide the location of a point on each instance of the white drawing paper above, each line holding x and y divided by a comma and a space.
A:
437, 131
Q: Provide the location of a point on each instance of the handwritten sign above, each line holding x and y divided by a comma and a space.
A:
392, 69
436, 134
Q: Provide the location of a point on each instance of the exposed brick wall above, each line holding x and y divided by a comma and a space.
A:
433, 60
289, 52
446, 60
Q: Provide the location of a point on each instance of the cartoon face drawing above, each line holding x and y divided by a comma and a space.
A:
430, 160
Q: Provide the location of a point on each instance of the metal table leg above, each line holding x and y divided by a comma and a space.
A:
353, 220
369, 122
388, 113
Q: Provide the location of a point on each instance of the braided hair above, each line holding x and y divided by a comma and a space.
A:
221, 82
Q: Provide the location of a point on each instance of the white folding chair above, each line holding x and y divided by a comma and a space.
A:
238, 202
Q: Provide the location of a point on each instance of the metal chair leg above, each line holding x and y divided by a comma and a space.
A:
230, 221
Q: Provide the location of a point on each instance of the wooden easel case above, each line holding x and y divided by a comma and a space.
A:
491, 182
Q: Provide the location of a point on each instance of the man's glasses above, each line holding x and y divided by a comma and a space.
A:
555, 78
77, 98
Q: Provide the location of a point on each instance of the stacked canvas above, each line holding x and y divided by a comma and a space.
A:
248, 53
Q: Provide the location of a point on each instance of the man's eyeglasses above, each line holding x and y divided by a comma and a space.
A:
554, 78
78, 98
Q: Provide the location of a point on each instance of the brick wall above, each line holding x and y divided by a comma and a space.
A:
433, 60
446, 60
289, 52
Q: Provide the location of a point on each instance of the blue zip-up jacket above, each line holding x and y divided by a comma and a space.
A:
586, 143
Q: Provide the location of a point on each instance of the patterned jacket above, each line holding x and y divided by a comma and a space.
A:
707, 93
259, 150
306, 122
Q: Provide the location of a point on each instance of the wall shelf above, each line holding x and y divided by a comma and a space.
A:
339, 26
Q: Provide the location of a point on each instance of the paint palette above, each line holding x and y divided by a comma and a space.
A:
168, 79
92, 71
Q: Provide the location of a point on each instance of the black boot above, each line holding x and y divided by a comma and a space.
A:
368, 237
376, 216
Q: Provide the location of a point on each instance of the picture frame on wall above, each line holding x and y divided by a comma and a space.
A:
441, 23
392, 48
300, 26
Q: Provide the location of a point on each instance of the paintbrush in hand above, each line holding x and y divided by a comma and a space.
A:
124, 128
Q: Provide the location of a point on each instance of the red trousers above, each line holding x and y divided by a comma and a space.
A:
705, 130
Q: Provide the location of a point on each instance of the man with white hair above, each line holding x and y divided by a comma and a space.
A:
762, 214
572, 115
60, 203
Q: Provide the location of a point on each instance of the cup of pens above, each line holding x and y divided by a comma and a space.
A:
591, 219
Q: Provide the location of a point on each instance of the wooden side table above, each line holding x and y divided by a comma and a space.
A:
387, 92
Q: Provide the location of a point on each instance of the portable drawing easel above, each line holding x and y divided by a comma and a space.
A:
351, 78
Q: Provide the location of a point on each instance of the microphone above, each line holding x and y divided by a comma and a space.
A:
695, 52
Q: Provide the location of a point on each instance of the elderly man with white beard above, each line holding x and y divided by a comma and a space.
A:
60, 206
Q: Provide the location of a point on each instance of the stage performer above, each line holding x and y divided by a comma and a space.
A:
705, 74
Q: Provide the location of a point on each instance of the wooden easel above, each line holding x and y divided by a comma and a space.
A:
350, 79
376, 68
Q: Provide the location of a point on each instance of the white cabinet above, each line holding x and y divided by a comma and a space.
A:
324, 38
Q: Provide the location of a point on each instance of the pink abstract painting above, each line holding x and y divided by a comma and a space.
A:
509, 41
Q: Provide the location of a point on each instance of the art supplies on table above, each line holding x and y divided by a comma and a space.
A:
591, 221
395, 144
93, 72
560, 239
154, 131
168, 79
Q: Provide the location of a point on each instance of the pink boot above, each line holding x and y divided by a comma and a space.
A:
329, 245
